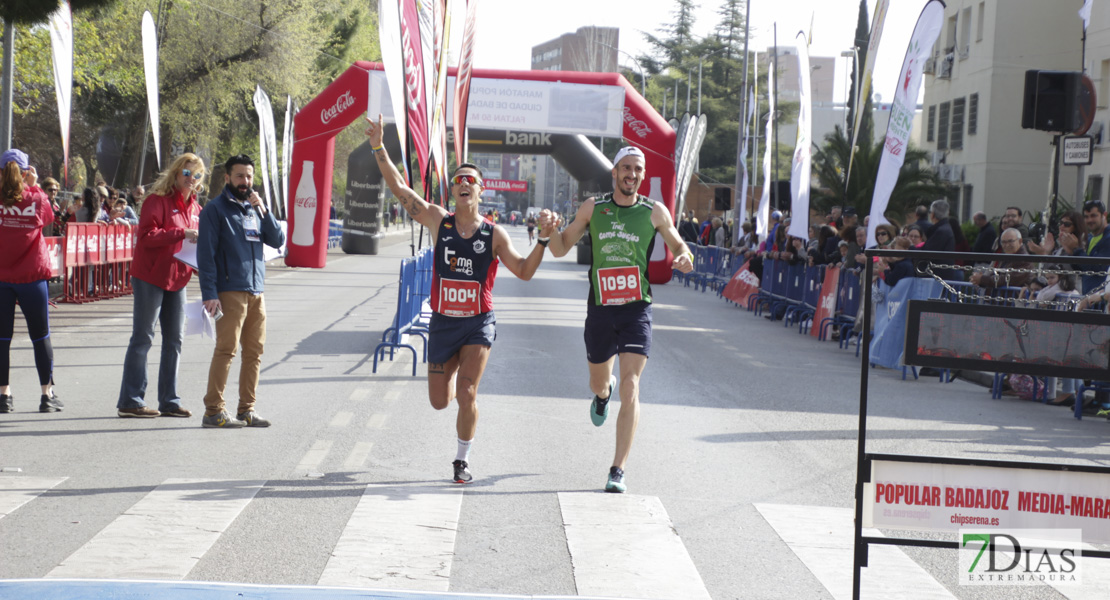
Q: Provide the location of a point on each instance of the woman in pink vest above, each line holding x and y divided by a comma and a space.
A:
24, 270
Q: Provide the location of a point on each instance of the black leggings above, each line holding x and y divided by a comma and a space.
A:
34, 302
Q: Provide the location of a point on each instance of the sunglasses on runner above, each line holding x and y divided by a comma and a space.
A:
467, 179
188, 173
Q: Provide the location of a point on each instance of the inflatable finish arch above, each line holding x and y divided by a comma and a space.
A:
359, 88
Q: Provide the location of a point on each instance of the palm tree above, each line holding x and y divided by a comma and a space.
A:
915, 185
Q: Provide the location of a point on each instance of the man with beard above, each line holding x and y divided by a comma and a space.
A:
233, 227
622, 227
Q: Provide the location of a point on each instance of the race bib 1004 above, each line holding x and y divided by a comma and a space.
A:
459, 298
619, 285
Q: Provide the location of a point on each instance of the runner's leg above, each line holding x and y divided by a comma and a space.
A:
599, 377
441, 382
471, 365
631, 366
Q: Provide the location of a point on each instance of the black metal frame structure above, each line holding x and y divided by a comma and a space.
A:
863, 459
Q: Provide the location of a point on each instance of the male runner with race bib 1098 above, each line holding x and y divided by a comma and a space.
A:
622, 228
467, 250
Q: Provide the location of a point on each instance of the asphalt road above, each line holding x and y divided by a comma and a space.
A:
744, 426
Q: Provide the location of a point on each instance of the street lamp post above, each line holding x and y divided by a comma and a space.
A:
643, 88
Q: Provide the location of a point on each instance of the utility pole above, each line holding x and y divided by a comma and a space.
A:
741, 141
774, 109
6, 85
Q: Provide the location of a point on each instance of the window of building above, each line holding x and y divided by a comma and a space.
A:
956, 138
1094, 187
931, 125
979, 24
973, 114
950, 37
942, 126
965, 205
965, 33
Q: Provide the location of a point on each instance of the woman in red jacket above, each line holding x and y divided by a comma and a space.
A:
170, 217
24, 269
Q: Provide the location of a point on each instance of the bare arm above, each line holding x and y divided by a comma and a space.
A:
563, 241
428, 215
661, 219
524, 268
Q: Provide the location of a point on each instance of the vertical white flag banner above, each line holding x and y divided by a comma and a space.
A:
1085, 13
271, 149
261, 103
389, 36
901, 111
150, 68
742, 193
763, 214
864, 90
286, 151
61, 40
802, 167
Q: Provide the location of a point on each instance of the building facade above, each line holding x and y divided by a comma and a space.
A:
974, 87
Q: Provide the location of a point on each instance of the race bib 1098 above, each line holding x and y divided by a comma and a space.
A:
619, 285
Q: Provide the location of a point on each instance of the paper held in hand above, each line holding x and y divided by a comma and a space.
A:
187, 254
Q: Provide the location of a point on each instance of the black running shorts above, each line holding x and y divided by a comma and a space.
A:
613, 330
447, 335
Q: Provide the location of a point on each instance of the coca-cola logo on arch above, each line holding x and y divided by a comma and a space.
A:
342, 103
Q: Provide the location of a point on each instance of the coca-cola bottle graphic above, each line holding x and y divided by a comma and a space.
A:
304, 208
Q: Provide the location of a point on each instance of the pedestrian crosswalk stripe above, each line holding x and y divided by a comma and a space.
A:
399, 537
164, 534
624, 545
822, 538
17, 491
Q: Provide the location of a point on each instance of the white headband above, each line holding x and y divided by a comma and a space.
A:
628, 151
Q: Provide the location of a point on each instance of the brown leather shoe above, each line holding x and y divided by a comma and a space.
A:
177, 412
142, 412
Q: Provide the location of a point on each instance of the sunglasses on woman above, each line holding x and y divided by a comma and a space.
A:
467, 179
188, 173
1067, 224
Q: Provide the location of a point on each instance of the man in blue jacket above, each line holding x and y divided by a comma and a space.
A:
233, 227
1094, 216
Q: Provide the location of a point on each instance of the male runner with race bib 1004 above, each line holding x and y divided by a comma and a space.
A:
467, 250
622, 228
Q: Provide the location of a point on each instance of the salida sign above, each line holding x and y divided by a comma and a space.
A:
506, 185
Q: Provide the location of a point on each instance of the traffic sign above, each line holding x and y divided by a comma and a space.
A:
1078, 150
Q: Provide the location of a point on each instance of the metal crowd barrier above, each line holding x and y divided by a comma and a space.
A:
96, 261
412, 315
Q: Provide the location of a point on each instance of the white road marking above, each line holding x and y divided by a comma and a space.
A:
341, 420
377, 421
359, 394
399, 537
625, 546
314, 457
741, 355
392, 395
165, 534
822, 538
17, 491
756, 363
357, 458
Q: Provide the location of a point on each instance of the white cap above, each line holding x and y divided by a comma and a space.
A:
628, 151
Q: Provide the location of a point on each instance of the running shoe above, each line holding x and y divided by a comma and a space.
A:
252, 419
615, 485
599, 409
221, 420
1104, 410
7, 403
462, 472
50, 403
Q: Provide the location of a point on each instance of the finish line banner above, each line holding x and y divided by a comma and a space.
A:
944, 497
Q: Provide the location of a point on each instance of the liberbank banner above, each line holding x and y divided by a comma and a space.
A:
919, 496
549, 106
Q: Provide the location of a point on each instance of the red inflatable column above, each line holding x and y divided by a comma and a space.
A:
310, 203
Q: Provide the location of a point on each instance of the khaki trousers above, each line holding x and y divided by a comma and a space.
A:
243, 323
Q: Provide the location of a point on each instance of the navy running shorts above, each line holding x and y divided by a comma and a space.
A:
611, 330
447, 335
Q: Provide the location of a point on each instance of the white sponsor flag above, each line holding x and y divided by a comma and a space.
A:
864, 90
61, 40
763, 214
286, 151
802, 167
742, 193
271, 148
150, 67
1085, 13
901, 111
261, 104
389, 35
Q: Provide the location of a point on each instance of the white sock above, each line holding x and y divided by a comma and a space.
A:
463, 452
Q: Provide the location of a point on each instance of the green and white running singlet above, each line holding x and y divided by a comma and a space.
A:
622, 238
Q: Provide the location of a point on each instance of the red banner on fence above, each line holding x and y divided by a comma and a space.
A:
743, 284
54, 251
826, 305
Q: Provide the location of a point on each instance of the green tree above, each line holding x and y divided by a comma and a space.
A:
916, 183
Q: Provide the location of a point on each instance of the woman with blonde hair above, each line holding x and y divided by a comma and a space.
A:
24, 270
170, 217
